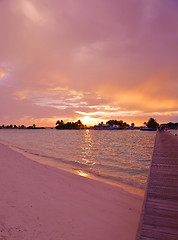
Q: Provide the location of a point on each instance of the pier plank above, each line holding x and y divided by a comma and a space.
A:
159, 219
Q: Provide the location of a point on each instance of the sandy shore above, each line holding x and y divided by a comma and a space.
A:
39, 202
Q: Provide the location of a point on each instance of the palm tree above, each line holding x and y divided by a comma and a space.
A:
152, 123
79, 124
60, 122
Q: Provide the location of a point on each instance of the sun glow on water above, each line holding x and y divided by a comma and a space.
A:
114, 156
83, 174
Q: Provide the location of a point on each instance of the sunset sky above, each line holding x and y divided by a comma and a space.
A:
92, 60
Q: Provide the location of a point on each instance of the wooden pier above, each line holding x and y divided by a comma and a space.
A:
159, 220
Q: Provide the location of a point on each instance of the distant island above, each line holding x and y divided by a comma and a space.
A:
70, 125
20, 127
150, 125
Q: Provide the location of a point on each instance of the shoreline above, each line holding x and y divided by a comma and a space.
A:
41, 202
65, 167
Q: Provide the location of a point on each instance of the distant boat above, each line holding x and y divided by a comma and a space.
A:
101, 126
147, 129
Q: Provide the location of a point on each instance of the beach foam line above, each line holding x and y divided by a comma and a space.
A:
38, 201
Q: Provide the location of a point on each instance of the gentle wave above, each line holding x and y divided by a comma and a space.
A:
78, 166
119, 156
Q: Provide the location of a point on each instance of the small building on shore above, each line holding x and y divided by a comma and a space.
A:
170, 125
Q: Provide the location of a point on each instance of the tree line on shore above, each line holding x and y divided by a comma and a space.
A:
11, 126
151, 123
121, 124
70, 125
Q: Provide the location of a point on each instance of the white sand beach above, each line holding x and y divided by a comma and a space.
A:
40, 202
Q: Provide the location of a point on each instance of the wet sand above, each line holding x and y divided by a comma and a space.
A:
38, 202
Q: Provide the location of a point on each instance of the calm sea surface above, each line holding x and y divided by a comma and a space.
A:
117, 155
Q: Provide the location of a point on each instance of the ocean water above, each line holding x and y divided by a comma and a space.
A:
173, 131
119, 156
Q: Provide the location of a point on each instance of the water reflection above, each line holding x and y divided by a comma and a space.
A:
87, 148
81, 173
122, 156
